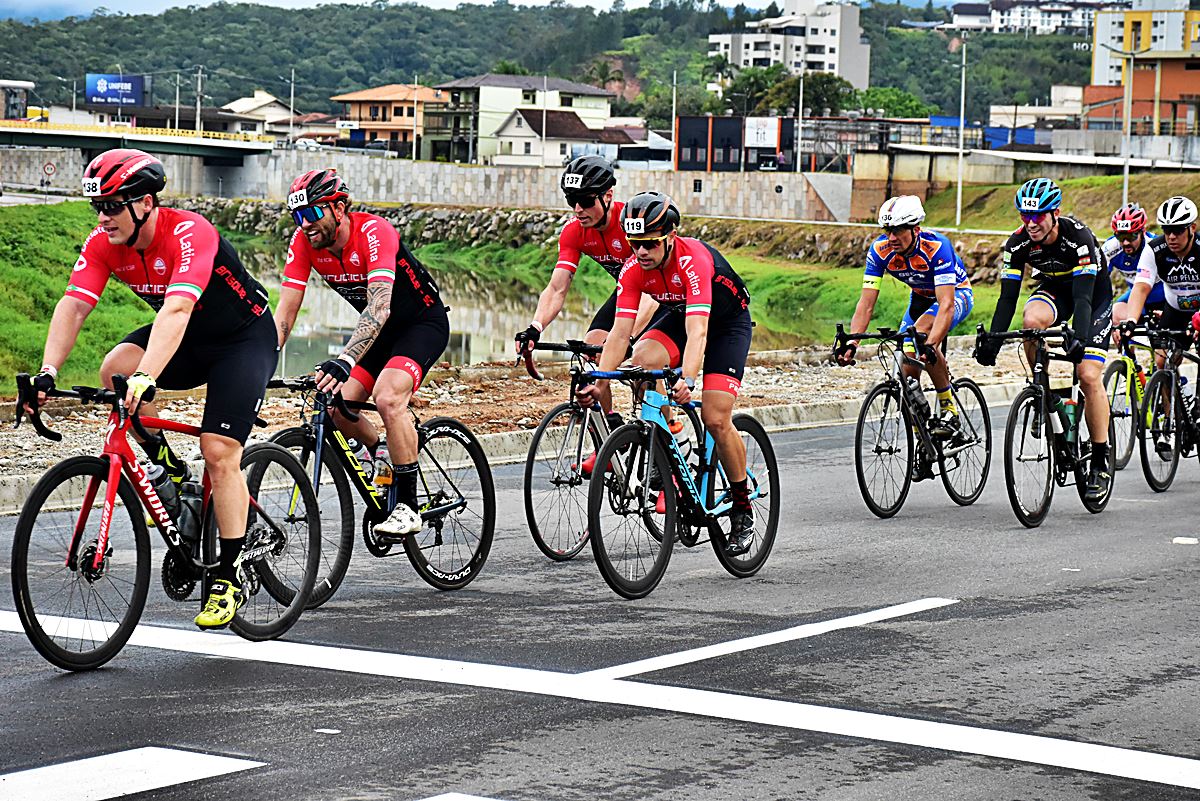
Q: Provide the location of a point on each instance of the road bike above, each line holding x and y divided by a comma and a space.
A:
1167, 425
645, 492
1046, 441
1125, 395
893, 443
455, 494
81, 551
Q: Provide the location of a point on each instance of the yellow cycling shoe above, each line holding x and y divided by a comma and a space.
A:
224, 600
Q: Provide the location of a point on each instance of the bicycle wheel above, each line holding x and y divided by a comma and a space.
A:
631, 540
1029, 458
78, 616
555, 493
1158, 430
965, 465
1116, 386
335, 504
282, 554
762, 476
1085, 459
458, 504
883, 450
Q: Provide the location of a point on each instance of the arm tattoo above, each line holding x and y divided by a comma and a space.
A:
379, 297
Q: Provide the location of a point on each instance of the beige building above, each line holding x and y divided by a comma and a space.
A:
394, 114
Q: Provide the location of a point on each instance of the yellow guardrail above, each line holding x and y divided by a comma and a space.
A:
180, 133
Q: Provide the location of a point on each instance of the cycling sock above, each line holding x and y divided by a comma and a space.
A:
946, 401
741, 495
231, 549
160, 453
405, 478
1099, 455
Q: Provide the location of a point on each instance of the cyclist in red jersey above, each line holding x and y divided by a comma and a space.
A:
213, 326
710, 327
401, 333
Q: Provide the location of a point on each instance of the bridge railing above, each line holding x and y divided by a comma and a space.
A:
121, 130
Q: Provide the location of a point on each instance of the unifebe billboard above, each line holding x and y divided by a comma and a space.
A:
115, 90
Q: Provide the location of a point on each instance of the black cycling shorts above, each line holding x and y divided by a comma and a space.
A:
1060, 296
725, 353
411, 344
236, 370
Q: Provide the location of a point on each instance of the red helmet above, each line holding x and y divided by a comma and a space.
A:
1129, 219
316, 186
124, 171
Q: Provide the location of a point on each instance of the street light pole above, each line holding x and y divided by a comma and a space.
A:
1126, 114
800, 124
962, 122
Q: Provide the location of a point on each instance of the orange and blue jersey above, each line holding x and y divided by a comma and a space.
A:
930, 263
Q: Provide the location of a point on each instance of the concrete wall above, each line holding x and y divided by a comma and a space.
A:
375, 179
919, 174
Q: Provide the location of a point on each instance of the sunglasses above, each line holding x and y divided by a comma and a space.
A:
647, 242
1126, 236
111, 208
1174, 230
582, 199
308, 214
1034, 216
895, 229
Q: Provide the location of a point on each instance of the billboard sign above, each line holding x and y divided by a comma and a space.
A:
114, 90
762, 132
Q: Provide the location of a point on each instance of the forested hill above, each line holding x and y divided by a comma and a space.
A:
340, 48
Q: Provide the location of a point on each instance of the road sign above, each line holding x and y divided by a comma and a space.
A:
49, 168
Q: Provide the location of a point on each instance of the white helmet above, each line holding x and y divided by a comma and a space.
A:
900, 211
1177, 210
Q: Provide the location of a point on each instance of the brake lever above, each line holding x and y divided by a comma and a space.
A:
36, 417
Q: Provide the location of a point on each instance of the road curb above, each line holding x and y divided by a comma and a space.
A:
511, 447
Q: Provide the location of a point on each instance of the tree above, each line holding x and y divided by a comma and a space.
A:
601, 73
751, 85
895, 102
821, 91
506, 67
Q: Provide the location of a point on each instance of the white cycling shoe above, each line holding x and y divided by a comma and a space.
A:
402, 520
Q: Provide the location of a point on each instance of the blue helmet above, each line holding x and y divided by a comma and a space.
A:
1038, 195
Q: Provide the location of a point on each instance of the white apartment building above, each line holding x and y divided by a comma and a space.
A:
1160, 25
811, 36
1040, 17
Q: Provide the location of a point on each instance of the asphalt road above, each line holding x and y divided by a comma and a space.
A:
1046, 664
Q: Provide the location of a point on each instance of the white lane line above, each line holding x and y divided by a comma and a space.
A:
764, 640
1102, 759
115, 775
457, 797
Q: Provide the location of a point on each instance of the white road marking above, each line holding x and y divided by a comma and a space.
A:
457, 797
764, 640
327, 731
1185, 541
1102, 759
115, 775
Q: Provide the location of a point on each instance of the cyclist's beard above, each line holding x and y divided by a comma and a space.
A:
326, 238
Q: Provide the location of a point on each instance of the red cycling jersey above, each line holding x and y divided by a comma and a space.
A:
182, 260
374, 253
607, 247
694, 275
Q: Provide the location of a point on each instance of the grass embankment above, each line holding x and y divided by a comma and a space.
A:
1092, 200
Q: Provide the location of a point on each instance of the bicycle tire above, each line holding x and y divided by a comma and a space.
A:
338, 519
560, 482
975, 417
1154, 423
765, 471
1122, 411
893, 422
1094, 506
44, 512
275, 595
625, 491
453, 564
1028, 415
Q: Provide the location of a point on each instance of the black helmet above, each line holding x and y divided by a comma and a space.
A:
649, 213
587, 175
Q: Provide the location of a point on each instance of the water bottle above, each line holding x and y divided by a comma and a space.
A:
160, 479
682, 440
1070, 410
1059, 421
916, 399
383, 466
191, 498
364, 456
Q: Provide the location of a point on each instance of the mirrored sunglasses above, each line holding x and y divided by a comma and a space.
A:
111, 208
646, 242
1127, 236
1173, 230
308, 214
1034, 216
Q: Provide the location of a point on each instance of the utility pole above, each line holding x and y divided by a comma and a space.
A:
292, 109
199, 94
545, 94
962, 123
416, 89
177, 100
1126, 115
800, 124
675, 115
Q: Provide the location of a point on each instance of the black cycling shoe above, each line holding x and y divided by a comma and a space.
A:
945, 426
1099, 483
1164, 448
741, 534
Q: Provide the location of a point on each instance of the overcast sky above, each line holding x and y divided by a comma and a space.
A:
56, 9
